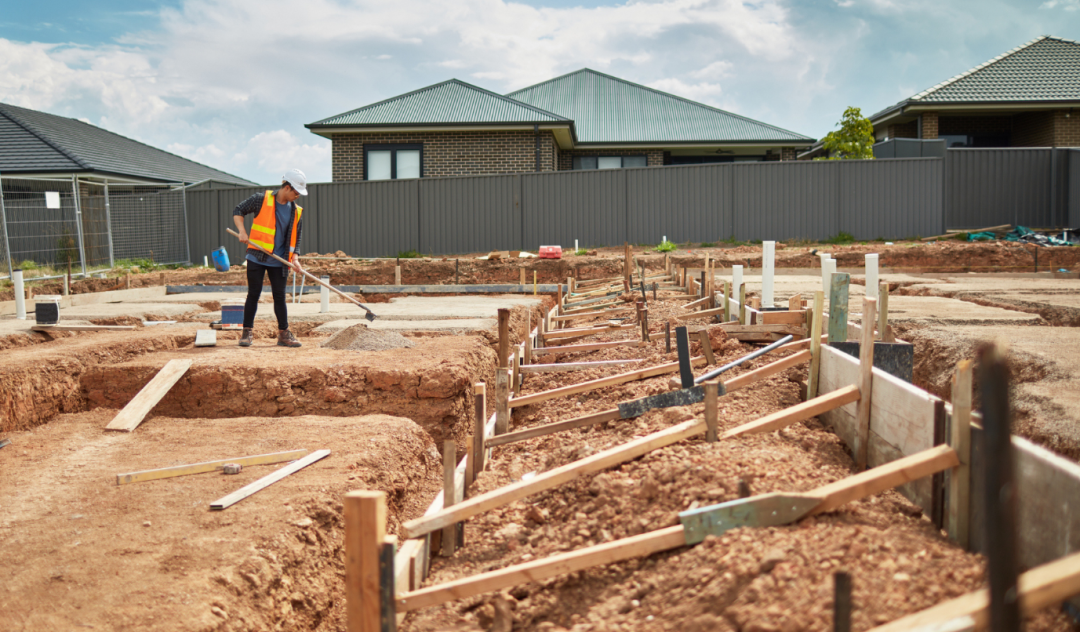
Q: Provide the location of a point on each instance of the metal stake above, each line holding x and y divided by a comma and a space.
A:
78, 223
108, 226
3, 225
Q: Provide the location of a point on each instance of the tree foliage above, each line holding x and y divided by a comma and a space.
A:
854, 140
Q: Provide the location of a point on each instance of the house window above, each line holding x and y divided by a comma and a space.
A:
393, 162
609, 162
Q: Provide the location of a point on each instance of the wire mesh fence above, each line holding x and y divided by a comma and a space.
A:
47, 225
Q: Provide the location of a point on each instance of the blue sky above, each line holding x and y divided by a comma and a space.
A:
231, 83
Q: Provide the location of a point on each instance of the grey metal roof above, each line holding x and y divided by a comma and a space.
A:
36, 142
607, 109
1044, 69
449, 102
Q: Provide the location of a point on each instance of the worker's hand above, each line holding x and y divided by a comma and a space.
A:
296, 265
243, 236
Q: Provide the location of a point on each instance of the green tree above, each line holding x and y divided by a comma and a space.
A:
854, 140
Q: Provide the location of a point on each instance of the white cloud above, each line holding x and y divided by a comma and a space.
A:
1068, 5
278, 151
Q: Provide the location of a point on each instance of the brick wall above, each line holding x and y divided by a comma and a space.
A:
1033, 129
566, 158
1066, 129
904, 130
788, 153
975, 125
929, 125
451, 153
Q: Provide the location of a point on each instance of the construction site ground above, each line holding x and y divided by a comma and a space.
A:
77, 551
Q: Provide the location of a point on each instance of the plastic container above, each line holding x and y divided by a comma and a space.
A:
221, 259
551, 252
232, 314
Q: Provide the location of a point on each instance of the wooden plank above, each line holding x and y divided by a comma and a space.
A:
1039, 588
558, 426
706, 346
695, 303
584, 331
838, 307
47, 328
502, 401
206, 338
797, 413
574, 366
553, 478
815, 345
770, 329
960, 481
884, 477
712, 410
704, 312
206, 466
589, 347
449, 536
866, 378
231, 499
602, 313
773, 368
144, 401
538, 570
612, 380
365, 530
784, 318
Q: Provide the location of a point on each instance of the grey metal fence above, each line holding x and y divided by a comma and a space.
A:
47, 224
870, 199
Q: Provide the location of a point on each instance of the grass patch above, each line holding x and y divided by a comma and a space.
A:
666, 246
408, 254
581, 252
840, 238
706, 244
29, 264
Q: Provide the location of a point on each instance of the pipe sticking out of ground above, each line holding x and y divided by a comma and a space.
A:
20, 295
727, 367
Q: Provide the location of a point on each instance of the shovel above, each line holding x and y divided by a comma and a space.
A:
370, 314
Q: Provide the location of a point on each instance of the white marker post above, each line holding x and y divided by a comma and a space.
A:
20, 295
324, 296
768, 256
736, 281
872, 276
828, 268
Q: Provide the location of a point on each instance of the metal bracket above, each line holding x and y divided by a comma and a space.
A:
767, 510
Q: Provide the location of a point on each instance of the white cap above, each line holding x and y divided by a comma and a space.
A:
297, 179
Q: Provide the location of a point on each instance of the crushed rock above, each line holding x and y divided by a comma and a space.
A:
360, 338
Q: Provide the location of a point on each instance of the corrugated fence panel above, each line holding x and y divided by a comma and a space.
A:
559, 207
210, 212
891, 199
365, 219
1074, 188
460, 215
684, 204
990, 187
786, 200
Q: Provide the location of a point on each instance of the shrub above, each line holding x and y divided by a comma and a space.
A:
666, 246
707, 244
408, 254
580, 252
29, 264
840, 238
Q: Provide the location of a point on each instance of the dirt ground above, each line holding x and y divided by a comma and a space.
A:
78, 551
940, 256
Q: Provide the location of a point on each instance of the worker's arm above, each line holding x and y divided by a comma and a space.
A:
239, 221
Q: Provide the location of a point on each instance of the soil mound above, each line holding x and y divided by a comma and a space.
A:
360, 338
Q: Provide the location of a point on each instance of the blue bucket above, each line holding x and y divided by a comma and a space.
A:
221, 259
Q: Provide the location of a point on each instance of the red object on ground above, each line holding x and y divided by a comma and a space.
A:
551, 252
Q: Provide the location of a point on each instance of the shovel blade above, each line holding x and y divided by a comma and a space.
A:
767, 510
370, 316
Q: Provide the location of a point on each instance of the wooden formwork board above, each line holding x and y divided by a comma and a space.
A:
901, 418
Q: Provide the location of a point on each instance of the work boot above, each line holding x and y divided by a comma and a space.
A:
247, 337
285, 338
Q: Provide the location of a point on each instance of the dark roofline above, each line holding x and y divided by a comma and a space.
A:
4, 111
666, 94
324, 124
1005, 105
102, 129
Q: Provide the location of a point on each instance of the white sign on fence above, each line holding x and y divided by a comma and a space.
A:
52, 199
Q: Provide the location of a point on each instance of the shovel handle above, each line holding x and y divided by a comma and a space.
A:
309, 275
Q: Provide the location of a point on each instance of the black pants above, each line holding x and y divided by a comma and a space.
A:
255, 272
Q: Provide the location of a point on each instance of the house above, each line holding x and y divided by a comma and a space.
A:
1027, 97
582, 120
34, 144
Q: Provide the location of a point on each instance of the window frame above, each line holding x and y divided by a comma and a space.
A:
622, 161
393, 149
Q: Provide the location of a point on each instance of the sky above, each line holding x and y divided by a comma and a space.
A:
231, 83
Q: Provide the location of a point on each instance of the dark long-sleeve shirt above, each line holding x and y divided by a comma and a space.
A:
252, 205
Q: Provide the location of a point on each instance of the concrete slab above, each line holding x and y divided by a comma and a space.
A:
117, 310
456, 325
407, 308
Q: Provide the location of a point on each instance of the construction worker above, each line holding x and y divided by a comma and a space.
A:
277, 227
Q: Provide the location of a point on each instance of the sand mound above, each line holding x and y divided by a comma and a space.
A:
360, 338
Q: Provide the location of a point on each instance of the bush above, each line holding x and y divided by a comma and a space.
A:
840, 238
666, 246
29, 264
581, 252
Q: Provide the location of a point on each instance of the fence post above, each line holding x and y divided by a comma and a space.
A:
78, 222
108, 226
3, 226
187, 234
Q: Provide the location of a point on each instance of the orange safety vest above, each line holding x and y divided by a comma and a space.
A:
265, 225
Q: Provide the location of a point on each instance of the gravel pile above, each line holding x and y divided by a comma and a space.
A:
360, 338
